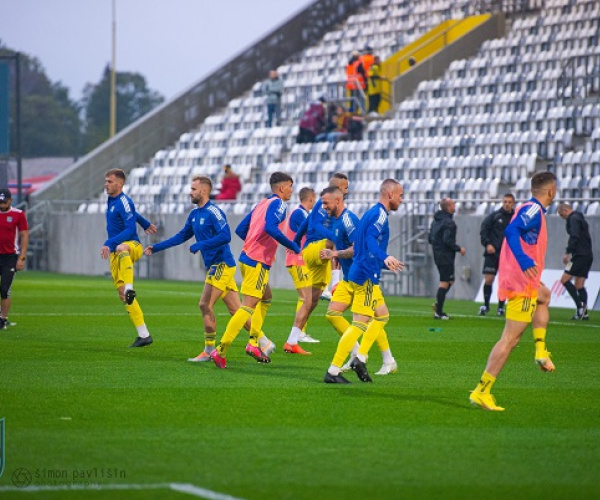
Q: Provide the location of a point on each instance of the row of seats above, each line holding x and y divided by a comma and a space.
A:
489, 117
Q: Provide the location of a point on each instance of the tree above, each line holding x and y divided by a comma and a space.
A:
134, 100
50, 123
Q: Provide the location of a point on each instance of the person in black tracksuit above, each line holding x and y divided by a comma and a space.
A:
578, 258
442, 236
492, 236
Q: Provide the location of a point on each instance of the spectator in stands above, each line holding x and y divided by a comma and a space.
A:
273, 90
230, 185
337, 125
363, 67
375, 81
330, 122
312, 122
442, 236
367, 60
13, 228
578, 258
355, 81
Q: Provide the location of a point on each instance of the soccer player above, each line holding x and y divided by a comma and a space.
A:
208, 224
12, 255
318, 233
519, 280
344, 229
294, 262
123, 248
578, 258
442, 237
261, 232
492, 236
369, 311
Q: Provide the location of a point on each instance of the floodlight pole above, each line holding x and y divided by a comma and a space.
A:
18, 124
113, 90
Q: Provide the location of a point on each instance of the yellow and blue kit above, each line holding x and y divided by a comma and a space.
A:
344, 231
121, 219
370, 246
209, 225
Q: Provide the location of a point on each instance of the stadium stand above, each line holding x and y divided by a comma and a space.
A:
526, 101
487, 125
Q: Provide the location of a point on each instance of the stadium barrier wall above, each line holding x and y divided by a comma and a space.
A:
81, 254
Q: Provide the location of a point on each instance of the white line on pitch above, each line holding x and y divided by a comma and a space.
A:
186, 488
401, 313
190, 489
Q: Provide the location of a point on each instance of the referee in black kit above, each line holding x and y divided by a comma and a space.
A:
578, 258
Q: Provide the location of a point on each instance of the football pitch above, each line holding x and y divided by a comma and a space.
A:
86, 417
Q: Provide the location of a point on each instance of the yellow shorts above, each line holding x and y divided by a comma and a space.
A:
222, 277
343, 293
135, 252
319, 270
367, 298
300, 275
254, 280
521, 309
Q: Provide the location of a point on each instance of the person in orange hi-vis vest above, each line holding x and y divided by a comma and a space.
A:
522, 260
367, 60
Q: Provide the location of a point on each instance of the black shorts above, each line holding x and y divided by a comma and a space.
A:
490, 263
580, 266
446, 272
8, 268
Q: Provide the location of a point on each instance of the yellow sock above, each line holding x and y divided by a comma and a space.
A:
338, 321
298, 306
135, 313
349, 338
210, 339
256, 323
125, 268
539, 336
373, 331
236, 323
486, 383
382, 341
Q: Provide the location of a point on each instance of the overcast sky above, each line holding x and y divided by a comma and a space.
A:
173, 43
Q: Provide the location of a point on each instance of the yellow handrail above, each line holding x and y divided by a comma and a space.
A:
424, 44
435, 40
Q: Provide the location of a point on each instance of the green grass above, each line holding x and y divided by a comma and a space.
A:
76, 399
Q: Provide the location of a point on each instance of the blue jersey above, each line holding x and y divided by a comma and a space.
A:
209, 225
316, 226
525, 225
297, 218
121, 219
344, 230
370, 246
